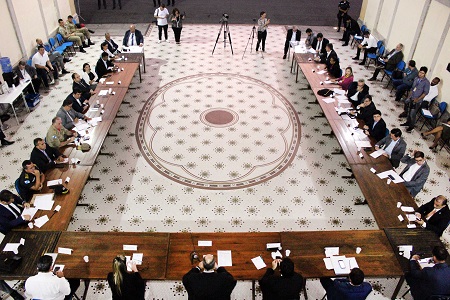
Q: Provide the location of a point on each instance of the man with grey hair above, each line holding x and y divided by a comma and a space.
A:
133, 37
207, 281
388, 62
357, 91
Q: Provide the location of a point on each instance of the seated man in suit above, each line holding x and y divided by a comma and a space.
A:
434, 215
286, 286
376, 128
44, 157
319, 44
79, 103
80, 84
133, 37
25, 73
430, 280
293, 35
325, 57
69, 117
394, 146
103, 66
365, 110
11, 207
31, 180
333, 67
388, 62
207, 281
357, 91
112, 46
351, 27
416, 172
353, 288
58, 136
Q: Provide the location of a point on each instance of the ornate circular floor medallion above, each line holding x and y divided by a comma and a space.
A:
218, 131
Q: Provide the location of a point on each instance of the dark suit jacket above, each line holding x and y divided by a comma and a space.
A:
397, 153
429, 280
324, 44
289, 35
7, 219
379, 131
352, 91
353, 27
342, 289
114, 46
84, 87
392, 62
275, 287
334, 70
420, 177
100, 68
138, 36
29, 69
76, 106
326, 59
208, 286
439, 221
41, 160
366, 113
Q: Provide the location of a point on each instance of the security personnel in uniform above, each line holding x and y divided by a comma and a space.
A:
31, 180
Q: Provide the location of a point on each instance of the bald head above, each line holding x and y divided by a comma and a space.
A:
132, 28
209, 262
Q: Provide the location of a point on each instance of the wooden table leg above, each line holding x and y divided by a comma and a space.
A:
253, 290
86, 286
398, 287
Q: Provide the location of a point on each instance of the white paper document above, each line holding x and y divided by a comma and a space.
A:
411, 226
397, 178
321, 72
341, 265
311, 50
110, 82
330, 251
341, 97
130, 247
224, 258
273, 245
137, 258
328, 264
377, 153
407, 208
405, 250
276, 254
204, 243
43, 204
352, 262
13, 247
427, 113
258, 262
328, 82
363, 144
339, 91
63, 250
54, 182
39, 222
426, 262
80, 126
411, 217
103, 93
31, 211
97, 119
328, 100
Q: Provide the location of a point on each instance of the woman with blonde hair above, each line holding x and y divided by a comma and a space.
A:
125, 285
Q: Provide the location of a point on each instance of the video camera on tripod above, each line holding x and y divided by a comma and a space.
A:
224, 18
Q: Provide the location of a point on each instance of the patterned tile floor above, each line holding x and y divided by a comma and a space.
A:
182, 84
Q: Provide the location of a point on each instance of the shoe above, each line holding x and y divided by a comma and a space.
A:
284, 56
85, 45
350, 170
355, 58
359, 202
90, 43
166, 41
7, 143
82, 50
423, 135
52, 82
432, 147
405, 124
346, 44
64, 71
66, 60
342, 40
362, 63
409, 129
371, 79
402, 115
257, 50
91, 31
159, 41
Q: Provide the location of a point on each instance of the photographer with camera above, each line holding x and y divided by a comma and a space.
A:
263, 23
177, 24
207, 281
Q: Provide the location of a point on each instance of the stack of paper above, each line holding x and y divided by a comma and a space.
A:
39, 222
377, 153
321, 72
397, 178
426, 262
330, 251
103, 93
224, 258
405, 251
338, 91
63, 250
328, 100
31, 211
54, 182
258, 262
44, 202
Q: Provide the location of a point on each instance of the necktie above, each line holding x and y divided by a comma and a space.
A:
71, 119
430, 214
46, 155
132, 39
14, 210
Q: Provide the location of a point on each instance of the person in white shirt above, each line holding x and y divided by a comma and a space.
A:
416, 172
89, 76
46, 284
41, 63
369, 45
432, 93
394, 146
161, 15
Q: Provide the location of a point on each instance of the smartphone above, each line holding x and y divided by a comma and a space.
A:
56, 269
391, 177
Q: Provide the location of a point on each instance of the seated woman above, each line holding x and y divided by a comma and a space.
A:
442, 131
89, 76
345, 80
126, 285
104, 47
334, 69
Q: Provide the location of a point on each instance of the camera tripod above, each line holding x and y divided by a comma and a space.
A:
226, 31
252, 37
